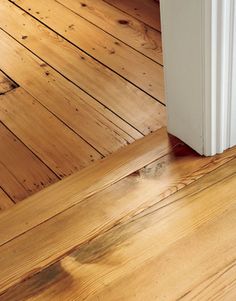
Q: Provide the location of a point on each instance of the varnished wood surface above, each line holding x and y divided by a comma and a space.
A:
17, 179
147, 11
6, 84
90, 82
110, 51
133, 233
120, 25
151, 221
5, 201
121, 97
61, 149
81, 185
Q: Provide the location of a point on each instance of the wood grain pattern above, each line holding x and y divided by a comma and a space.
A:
88, 118
125, 100
120, 25
51, 140
21, 172
83, 184
121, 58
147, 11
6, 84
120, 226
5, 201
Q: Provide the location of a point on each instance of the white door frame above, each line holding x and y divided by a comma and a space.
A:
199, 46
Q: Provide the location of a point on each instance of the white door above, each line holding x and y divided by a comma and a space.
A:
199, 46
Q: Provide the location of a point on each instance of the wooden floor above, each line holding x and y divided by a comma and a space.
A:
109, 206
78, 81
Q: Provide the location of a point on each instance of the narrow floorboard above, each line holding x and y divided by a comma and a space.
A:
5, 201
6, 84
110, 51
63, 151
147, 11
82, 107
120, 25
16, 178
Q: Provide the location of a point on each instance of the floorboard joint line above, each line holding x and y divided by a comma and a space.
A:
87, 53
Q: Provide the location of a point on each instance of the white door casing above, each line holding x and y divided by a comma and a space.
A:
199, 46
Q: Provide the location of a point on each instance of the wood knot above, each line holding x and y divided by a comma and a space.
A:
123, 22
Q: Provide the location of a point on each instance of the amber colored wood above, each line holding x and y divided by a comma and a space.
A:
6, 84
114, 206
124, 27
113, 53
148, 256
147, 11
85, 183
50, 139
88, 118
5, 201
127, 101
21, 172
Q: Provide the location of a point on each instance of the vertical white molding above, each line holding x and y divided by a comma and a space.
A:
217, 29
232, 110
199, 41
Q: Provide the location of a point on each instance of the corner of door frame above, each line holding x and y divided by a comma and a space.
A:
199, 39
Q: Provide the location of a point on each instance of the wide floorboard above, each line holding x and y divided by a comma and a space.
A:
165, 232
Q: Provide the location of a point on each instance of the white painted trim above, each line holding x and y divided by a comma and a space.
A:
232, 110
199, 42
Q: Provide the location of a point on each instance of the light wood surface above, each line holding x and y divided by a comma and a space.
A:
151, 221
129, 229
89, 181
16, 178
56, 145
145, 120
5, 201
73, 80
127, 62
6, 84
72, 105
147, 11
121, 25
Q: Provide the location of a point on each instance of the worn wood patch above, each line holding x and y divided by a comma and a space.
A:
6, 84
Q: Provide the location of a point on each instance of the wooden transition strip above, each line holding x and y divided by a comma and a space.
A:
128, 200
72, 190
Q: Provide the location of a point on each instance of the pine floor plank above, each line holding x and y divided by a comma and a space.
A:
83, 114
6, 84
21, 172
120, 25
5, 201
51, 140
147, 11
125, 100
119, 229
121, 58
85, 183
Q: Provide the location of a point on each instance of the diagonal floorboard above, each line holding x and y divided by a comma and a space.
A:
137, 206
